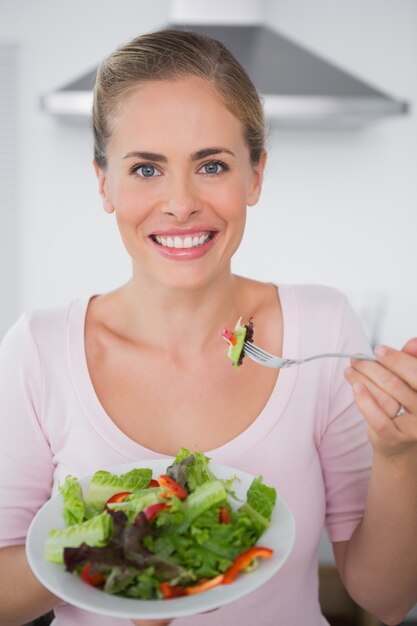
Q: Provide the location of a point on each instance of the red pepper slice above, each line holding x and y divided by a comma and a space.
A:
224, 515
173, 487
205, 585
153, 483
118, 497
152, 511
170, 591
245, 559
95, 580
228, 335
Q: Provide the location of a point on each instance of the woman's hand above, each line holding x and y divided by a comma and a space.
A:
381, 389
380, 561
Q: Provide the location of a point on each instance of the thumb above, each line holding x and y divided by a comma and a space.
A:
410, 347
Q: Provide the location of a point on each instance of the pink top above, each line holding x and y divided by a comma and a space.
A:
309, 441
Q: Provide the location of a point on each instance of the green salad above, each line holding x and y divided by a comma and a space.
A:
148, 537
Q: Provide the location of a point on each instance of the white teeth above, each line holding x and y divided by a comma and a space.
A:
186, 242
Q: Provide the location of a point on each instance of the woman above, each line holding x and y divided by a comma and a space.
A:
141, 371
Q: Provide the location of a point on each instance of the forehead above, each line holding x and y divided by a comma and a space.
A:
181, 114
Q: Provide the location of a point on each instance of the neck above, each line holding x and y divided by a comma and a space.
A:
185, 320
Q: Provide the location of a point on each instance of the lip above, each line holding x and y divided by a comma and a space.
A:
184, 254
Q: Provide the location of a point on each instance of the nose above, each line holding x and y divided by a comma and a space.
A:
182, 199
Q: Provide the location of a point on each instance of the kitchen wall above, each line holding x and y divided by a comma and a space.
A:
344, 204
339, 206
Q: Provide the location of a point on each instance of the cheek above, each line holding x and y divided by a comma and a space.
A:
130, 203
230, 201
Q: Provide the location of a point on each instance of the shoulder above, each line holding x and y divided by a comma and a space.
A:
316, 296
316, 303
317, 300
40, 327
322, 314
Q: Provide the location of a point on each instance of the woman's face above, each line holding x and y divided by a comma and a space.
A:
179, 178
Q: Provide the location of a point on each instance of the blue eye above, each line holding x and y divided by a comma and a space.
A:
214, 167
146, 171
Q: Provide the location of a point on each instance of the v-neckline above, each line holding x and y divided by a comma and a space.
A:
132, 450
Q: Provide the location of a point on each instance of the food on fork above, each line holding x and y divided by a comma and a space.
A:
236, 340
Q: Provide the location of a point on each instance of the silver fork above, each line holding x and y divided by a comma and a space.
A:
270, 360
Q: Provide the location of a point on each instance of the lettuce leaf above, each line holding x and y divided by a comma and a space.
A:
235, 352
74, 511
260, 502
203, 498
137, 502
191, 469
94, 532
103, 485
130, 582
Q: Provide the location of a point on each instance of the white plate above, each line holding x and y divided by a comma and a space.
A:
279, 536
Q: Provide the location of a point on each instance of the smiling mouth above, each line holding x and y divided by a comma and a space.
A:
187, 241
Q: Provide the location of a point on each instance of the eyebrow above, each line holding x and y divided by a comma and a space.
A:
195, 156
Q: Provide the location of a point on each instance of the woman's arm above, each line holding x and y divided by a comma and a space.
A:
379, 563
23, 598
26, 468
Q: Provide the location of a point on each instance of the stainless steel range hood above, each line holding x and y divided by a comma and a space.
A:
299, 88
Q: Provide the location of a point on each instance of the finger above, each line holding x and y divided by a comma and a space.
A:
401, 363
388, 404
410, 347
389, 382
380, 424
392, 436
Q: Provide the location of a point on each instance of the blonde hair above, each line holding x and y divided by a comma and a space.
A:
168, 55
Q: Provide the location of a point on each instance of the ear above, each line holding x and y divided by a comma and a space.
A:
102, 188
254, 190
